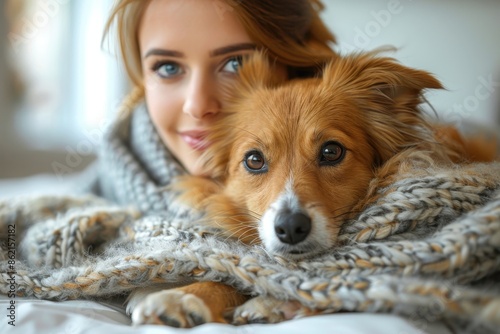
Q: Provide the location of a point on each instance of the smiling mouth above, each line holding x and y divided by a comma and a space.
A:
195, 139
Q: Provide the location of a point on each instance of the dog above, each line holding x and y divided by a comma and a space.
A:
291, 160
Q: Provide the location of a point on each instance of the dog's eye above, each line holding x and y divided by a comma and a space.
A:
331, 153
254, 162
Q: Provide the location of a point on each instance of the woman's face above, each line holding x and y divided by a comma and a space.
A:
189, 48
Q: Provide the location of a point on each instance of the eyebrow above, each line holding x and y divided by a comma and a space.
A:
163, 52
232, 48
217, 52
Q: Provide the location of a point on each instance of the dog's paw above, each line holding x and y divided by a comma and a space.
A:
266, 309
172, 308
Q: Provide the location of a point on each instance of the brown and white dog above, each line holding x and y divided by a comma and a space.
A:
292, 160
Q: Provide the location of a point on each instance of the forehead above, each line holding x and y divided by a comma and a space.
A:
200, 25
299, 111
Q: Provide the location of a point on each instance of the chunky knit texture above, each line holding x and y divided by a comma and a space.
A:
135, 165
426, 248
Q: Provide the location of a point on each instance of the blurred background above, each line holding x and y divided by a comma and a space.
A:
60, 86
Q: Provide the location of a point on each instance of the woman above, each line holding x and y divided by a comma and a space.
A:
178, 55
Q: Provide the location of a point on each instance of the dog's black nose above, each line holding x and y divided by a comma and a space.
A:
292, 228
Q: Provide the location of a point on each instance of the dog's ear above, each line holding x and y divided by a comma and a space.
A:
394, 83
389, 94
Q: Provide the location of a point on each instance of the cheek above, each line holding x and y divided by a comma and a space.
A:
251, 192
346, 188
163, 108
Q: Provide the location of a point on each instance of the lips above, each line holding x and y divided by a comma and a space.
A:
196, 139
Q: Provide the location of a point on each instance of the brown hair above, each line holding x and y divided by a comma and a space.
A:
291, 31
127, 14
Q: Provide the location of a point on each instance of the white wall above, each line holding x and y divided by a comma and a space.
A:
5, 102
457, 40
71, 86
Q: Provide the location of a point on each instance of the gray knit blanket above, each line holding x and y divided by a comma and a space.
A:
427, 248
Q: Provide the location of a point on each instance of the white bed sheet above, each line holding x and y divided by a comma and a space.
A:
81, 316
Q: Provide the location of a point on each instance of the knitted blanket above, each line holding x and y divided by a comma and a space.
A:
427, 248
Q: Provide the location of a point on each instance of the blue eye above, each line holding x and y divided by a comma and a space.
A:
232, 65
167, 70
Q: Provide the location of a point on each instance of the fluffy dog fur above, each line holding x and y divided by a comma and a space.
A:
292, 160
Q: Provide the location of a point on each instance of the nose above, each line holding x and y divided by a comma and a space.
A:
200, 100
292, 228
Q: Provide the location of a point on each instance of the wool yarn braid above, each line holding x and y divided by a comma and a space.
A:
435, 274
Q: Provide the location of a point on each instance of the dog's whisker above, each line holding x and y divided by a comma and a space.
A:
249, 234
240, 228
241, 231
255, 214
223, 224
242, 222
236, 229
230, 236
238, 219
265, 250
255, 239
250, 214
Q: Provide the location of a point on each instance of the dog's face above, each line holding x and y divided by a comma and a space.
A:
297, 157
